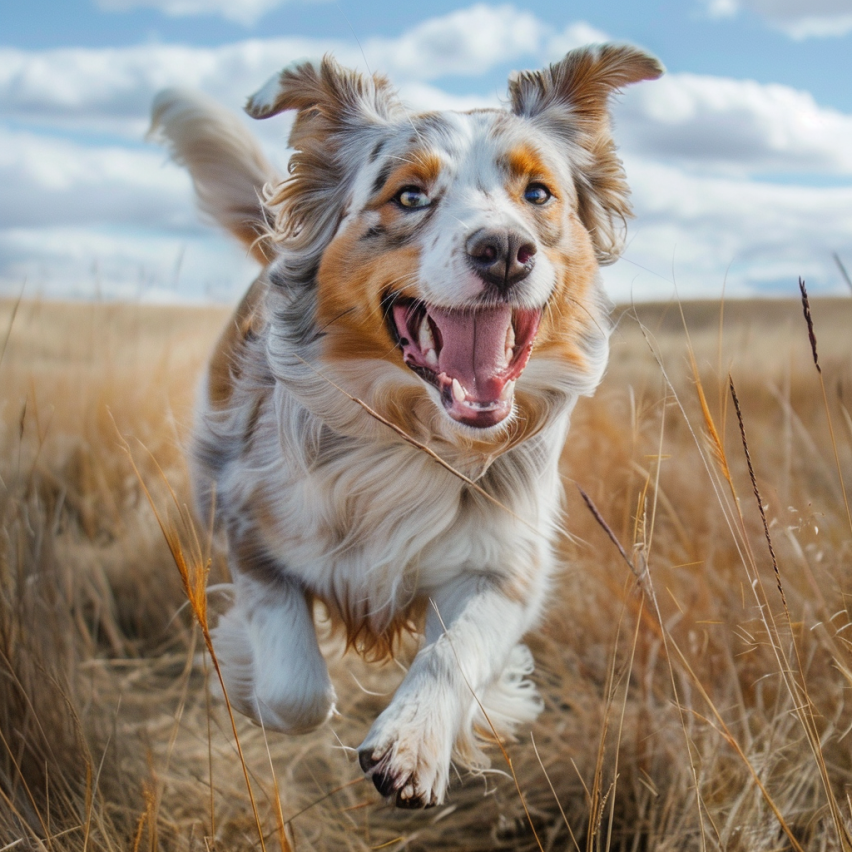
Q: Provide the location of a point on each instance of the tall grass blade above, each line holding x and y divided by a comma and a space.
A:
812, 337
842, 269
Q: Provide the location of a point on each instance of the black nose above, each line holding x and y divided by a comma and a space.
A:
501, 257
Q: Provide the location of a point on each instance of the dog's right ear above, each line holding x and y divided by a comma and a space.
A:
341, 115
342, 97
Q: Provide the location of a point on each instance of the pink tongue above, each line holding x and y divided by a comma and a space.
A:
473, 348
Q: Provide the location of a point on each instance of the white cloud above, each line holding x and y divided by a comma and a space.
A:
246, 12
800, 19
72, 203
48, 181
735, 125
574, 35
698, 230
467, 41
695, 148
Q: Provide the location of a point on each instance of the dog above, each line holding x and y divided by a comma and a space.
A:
381, 422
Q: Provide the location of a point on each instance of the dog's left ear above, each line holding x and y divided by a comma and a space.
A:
571, 100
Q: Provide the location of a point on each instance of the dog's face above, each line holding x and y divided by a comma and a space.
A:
458, 236
457, 246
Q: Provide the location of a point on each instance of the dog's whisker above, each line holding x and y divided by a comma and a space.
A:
334, 319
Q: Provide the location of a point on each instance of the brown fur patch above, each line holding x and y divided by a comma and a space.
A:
247, 322
352, 280
584, 79
568, 315
524, 163
362, 635
421, 168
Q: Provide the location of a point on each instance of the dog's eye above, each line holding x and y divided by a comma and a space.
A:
412, 196
537, 193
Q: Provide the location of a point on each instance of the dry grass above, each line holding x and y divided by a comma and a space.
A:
695, 685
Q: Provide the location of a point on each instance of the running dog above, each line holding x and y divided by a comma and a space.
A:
381, 422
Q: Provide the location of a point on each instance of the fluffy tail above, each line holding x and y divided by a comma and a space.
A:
227, 167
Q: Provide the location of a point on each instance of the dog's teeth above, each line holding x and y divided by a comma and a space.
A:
458, 391
508, 390
425, 340
510, 344
430, 357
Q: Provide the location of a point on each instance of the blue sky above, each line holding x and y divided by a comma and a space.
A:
740, 158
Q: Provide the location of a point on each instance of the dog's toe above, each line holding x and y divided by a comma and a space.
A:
400, 787
385, 783
410, 799
384, 780
367, 761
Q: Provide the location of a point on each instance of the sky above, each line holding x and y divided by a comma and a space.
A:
739, 158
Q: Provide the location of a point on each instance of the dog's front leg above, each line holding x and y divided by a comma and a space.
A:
472, 627
271, 663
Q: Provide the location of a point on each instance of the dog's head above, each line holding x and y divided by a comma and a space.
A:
461, 248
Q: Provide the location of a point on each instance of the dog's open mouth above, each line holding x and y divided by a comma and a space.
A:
472, 356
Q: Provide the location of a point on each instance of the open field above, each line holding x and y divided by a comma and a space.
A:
696, 698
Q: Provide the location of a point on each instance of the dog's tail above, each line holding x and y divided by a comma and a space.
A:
228, 168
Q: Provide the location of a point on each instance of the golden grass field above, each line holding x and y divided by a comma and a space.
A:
697, 695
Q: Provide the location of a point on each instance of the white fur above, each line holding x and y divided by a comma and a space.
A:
270, 660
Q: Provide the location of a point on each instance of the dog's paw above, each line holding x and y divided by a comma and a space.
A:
407, 756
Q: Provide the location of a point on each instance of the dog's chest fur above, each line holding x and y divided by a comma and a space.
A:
370, 526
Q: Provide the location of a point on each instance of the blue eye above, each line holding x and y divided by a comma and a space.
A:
412, 197
537, 193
